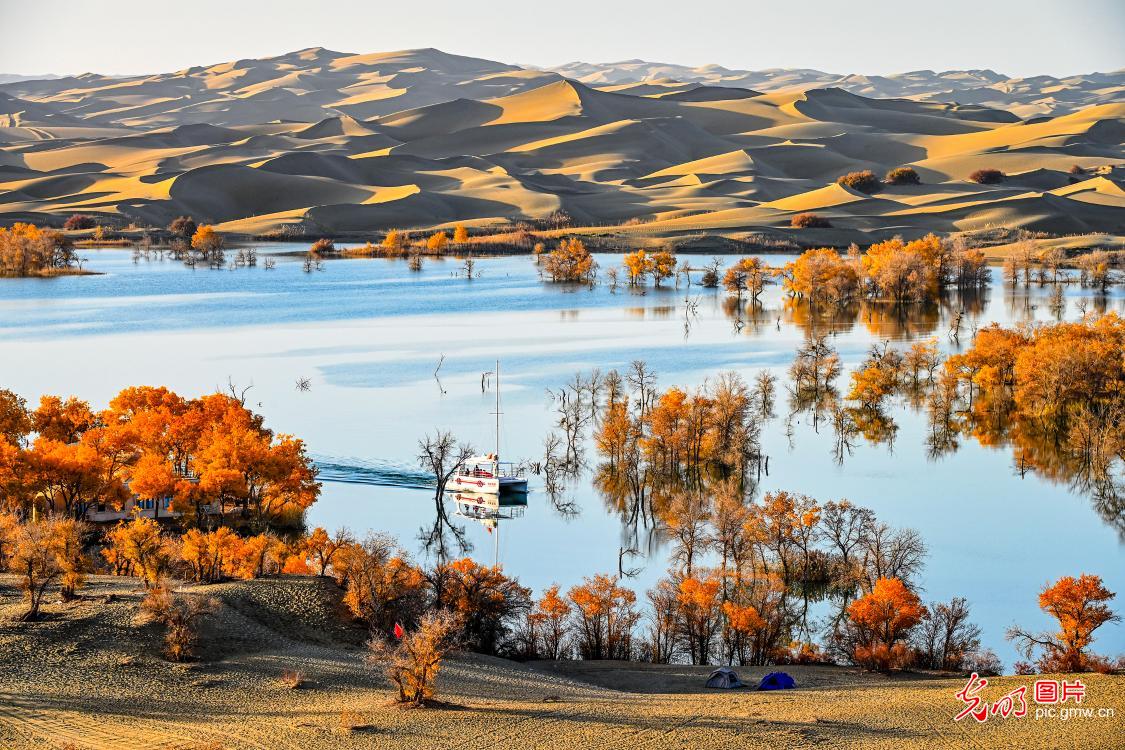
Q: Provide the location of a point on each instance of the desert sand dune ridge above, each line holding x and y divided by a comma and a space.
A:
327, 142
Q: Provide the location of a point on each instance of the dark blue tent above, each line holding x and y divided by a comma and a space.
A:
777, 681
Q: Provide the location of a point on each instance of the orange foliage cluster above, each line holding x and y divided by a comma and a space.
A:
207, 241
27, 250
885, 617
570, 262
486, 601
209, 455
1079, 606
893, 270
547, 628
605, 616
747, 275
414, 661
659, 265
1057, 391
41, 552
681, 432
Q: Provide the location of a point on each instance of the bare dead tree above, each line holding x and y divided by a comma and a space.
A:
441, 455
441, 359
235, 393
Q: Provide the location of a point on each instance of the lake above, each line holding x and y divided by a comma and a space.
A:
369, 335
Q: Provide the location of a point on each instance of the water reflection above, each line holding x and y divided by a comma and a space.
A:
489, 511
369, 333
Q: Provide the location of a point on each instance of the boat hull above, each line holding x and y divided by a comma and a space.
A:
475, 484
491, 485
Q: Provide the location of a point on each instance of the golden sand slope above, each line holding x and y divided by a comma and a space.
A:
89, 677
334, 143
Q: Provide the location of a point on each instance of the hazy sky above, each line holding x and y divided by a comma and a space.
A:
1017, 37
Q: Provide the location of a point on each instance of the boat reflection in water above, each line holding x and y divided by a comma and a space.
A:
489, 509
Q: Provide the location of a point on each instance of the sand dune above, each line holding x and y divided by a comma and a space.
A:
1026, 97
351, 143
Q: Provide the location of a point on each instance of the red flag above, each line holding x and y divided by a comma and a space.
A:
399, 632
489, 528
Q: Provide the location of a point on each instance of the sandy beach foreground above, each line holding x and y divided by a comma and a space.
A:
90, 678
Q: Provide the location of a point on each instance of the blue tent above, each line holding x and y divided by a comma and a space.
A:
777, 681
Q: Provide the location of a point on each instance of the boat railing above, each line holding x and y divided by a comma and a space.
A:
503, 469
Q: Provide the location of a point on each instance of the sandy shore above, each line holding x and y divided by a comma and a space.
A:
91, 678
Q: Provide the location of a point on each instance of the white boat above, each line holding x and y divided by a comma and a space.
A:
487, 473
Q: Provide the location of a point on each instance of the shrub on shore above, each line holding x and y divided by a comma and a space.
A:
180, 615
414, 661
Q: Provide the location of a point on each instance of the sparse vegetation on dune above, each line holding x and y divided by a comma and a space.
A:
810, 221
987, 176
903, 176
864, 181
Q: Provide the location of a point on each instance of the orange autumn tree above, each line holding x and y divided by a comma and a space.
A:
248, 473
1055, 390
821, 275
259, 555
210, 556
42, 552
570, 262
605, 617
699, 616
487, 602
663, 266
210, 452
1079, 606
206, 240
637, 264
436, 242
319, 547
15, 419
28, 250
460, 234
904, 271
138, 547
381, 585
747, 275
740, 622
885, 616
548, 625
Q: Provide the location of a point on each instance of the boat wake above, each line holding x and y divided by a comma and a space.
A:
370, 471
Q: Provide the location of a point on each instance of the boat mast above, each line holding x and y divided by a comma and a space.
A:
498, 414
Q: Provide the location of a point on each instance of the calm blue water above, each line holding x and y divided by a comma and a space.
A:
370, 333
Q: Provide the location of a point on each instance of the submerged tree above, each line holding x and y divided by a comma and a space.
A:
441, 455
